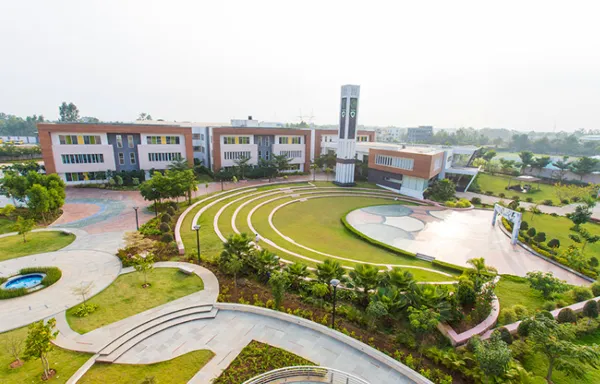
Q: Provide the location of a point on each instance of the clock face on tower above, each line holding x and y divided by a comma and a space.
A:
343, 118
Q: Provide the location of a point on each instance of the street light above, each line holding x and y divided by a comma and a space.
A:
334, 283
137, 223
197, 229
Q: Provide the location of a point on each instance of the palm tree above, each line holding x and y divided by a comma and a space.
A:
328, 171
242, 164
281, 162
399, 278
328, 270
365, 277
314, 167
391, 298
264, 262
480, 272
179, 165
236, 246
297, 272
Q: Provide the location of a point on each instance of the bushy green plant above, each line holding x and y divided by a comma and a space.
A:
505, 335
466, 292
523, 328
450, 204
531, 232
507, 316
549, 305
463, 203
540, 237
520, 311
529, 199
547, 202
475, 200
171, 211
319, 290
166, 218
85, 309
582, 293
524, 226
590, 309
164, 227
554, 243
566, 315
166, 238
596, 289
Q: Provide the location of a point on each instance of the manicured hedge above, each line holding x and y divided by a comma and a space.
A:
53, 274
449, 267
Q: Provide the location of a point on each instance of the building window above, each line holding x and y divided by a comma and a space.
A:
130, 141
237, 155
244, 140
228, 140
363, 138
172, 139
293, 167
291, 154
119, 141
202, 136
297, 140
283, 139
82, 158
195, 136
437, 164
164, 156
132, 157
395, 162
74, 139
267, 155
121, 158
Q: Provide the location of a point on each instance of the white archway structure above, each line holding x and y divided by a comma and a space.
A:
513, 216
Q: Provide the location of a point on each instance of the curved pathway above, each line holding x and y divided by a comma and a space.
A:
84, 260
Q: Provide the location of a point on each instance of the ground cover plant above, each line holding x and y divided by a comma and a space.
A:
257, 358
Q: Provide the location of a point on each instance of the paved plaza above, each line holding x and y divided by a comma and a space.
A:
451, 236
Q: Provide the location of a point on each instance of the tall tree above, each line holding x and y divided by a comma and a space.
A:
68, 112
38, 200
281, 162
526, 159
584, 165
365, 277
279, 283
562, 167
493, 356
242, 164
144, 116
297, 272
555, 342
540, 163
328, 270
39, 343
23, 226
581, 215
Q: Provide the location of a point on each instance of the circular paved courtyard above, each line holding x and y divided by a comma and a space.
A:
451, 236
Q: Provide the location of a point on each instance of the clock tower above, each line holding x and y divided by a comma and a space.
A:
346, 146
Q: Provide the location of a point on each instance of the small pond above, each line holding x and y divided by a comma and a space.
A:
25, 281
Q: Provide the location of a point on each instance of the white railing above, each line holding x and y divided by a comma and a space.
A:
306, 373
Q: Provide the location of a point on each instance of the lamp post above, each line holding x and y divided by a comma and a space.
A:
137, 223
197, 229
334, 283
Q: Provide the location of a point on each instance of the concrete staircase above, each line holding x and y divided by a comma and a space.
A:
113, 350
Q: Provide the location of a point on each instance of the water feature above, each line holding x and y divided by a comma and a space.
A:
25, 281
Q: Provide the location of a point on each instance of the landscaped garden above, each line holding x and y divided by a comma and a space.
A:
175, 371
66, 363
257, 358
496, 185
126, 297
36, 242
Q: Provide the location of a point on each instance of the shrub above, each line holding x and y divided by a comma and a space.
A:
596, 289
450, 204
520, 311
135, 181
463, 203
529, 199
554, 243
594, 261
166, 238
118, 180
166, 218
466, 292
319, 290
549, 306
515, 197
582, 293
489, 193
171, 211
85, 309
545, 314
524, 225
565, 201
164, 227
590, 309
566, 315
505, 335
523, 328
502, 195
575, 199
476, 200
507, 316
540, 237
173, 204
547, 202
531, 232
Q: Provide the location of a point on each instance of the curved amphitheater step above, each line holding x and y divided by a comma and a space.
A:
131, 338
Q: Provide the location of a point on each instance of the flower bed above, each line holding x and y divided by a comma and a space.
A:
53, 274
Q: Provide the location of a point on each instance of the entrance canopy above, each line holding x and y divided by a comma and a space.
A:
525, 179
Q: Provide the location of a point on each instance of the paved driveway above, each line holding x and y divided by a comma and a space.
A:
454, 237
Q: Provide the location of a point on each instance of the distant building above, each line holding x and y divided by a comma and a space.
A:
421, 134
389, 134
590, 138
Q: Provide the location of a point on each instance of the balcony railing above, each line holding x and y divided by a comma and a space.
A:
308, 374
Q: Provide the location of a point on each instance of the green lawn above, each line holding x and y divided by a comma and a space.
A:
175, 371
66, 363
498, 183
515, 290
37, 242
6, 225
126, 297
558, 227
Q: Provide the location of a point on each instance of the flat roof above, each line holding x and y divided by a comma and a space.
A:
399, 147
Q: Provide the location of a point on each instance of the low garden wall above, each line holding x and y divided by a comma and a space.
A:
349, 341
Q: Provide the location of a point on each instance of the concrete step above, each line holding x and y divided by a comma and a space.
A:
144, 334
151, 322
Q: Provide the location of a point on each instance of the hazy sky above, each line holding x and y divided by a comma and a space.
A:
515, 64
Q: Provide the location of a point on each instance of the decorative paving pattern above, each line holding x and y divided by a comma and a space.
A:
104, 210
452, 236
